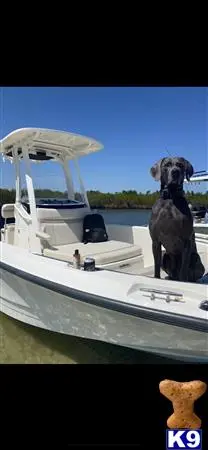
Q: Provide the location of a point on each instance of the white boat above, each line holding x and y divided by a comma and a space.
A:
199, 223
120, 302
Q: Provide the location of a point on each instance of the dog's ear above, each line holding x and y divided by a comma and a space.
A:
156, 170
189, 170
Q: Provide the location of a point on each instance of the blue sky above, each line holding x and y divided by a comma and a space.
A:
136, 125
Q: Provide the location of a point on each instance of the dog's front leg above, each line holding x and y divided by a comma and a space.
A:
185, 261
157, 253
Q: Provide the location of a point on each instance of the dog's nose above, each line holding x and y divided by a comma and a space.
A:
175, 173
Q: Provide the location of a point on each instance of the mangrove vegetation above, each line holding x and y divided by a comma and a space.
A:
118, 200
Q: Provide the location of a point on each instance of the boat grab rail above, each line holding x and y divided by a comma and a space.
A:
23, 213
25, 216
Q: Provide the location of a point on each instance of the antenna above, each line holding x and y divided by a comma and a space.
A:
168, 153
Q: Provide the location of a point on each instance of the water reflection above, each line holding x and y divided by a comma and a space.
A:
22, 343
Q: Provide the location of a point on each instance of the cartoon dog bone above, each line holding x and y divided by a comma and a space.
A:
183, 396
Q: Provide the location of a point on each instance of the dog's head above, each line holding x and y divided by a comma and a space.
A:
172, 171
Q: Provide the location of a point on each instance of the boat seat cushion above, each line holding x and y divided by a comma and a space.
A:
63, 226
103, 252
65, 232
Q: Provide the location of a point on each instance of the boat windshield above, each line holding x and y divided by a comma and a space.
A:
50, 185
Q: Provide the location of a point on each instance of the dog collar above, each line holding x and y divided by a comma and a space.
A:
168, 192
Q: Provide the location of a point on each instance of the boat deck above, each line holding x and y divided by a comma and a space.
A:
149, 272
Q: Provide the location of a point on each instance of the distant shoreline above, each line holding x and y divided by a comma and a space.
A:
124, 200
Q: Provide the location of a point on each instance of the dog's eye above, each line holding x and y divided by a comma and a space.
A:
179, 165
168, 164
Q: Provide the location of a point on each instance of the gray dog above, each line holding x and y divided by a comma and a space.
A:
171, 223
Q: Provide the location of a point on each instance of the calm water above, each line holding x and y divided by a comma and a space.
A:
21, 343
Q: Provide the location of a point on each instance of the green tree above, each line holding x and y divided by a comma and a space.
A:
117, 200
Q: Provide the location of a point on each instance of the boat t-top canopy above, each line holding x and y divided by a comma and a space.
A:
44, 144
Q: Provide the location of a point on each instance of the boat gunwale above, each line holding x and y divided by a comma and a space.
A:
169, 318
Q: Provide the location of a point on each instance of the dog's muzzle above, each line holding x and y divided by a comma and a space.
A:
175, 175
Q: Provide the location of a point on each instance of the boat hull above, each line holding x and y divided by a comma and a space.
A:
31, 303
